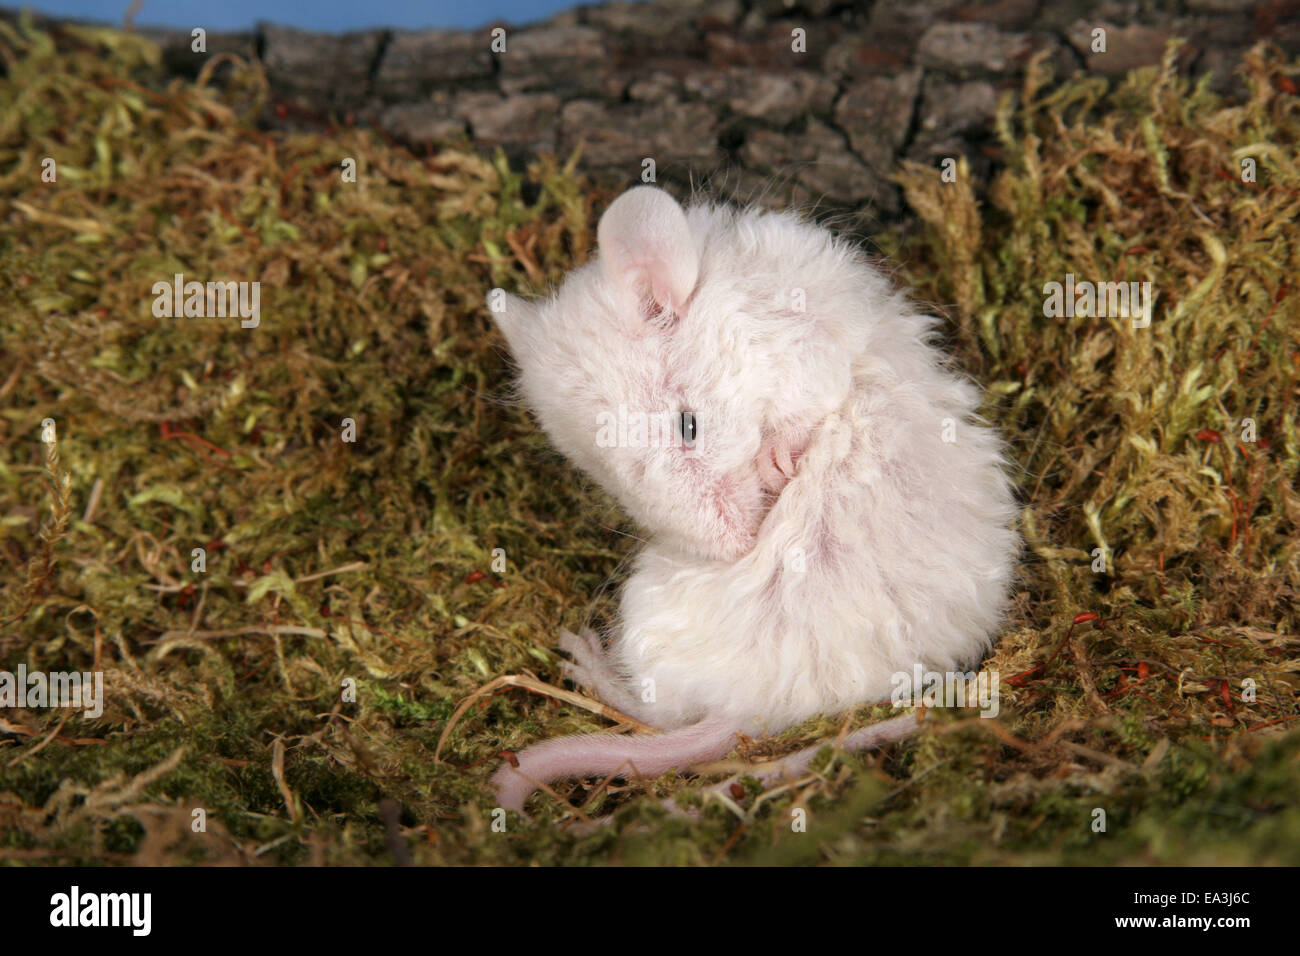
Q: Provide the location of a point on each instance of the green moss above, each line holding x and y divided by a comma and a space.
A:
371, 562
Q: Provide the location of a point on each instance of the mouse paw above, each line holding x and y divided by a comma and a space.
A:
576, 674
588, 664
778, 458
585, 649
593, 669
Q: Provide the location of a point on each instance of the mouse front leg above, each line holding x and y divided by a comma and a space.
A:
591, 668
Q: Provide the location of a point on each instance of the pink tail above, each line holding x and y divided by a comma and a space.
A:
589, 755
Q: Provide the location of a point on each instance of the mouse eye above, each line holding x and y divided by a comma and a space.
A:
688, 428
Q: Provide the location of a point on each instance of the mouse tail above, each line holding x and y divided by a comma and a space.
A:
589, 755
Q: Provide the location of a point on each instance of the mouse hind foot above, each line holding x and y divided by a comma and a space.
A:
591, 668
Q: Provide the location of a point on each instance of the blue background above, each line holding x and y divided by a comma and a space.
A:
319, 15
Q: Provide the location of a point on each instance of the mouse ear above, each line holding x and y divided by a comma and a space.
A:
646, 247
513, 316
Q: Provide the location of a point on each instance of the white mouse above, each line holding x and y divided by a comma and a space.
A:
823, 507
